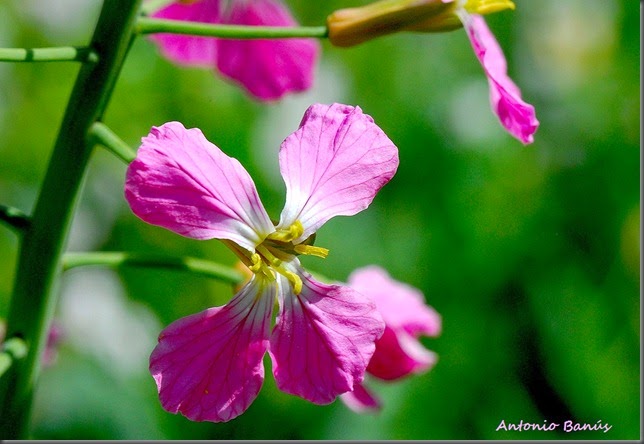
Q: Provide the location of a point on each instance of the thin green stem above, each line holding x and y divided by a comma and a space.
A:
14, 217
34, 293
147, 25
57, 54
101, 133
116, 259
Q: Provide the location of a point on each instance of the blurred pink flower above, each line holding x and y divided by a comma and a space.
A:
267, 68
398, 351
208, 366
516, 116
54, 337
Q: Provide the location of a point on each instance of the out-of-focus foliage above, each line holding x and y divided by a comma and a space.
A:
531, 254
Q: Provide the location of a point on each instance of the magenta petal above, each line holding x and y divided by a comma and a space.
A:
333, 165
398, 352
186, 184
323, 340
517, 116
268, 68
185, 49
360, 400
208, 366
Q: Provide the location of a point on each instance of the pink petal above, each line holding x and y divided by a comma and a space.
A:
268, 68
186, 184
360, 400
185, 49
398, 352
323, 340
333, 165
517, 116
208, 366
402, 306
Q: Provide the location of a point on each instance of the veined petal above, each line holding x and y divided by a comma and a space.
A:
360, 400
184, 183
185, 49
208, 366
398, 352
517, 116
323, 340
267, 68
333, 165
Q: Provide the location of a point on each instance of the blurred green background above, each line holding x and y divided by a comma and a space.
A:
530, 254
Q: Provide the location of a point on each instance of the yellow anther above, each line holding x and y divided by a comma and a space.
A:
294, 231
294, 279
311, 250
488, 6
256, 259
270, 257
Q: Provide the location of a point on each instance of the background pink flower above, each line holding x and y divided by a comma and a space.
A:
398, 351
266, 68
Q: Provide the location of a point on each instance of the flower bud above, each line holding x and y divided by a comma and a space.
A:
351, 26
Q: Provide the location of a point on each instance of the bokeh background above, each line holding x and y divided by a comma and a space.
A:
530, 254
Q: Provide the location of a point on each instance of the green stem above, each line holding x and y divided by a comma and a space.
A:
102, 134
58, 54
189, 264
147, 25
34, 293
14, 217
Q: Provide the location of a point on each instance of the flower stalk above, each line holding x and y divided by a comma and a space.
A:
146, 25
115, 259
55, 54
34, 294
102, 134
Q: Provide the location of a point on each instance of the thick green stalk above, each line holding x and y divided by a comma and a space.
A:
57, 54
34, 296
147, 25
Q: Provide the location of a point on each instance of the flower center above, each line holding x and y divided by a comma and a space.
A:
276, 249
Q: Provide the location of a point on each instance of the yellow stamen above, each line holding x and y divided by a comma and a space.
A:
293, 278
294, 231
258, 266
311, 250
276, 265
256, 259
488, 6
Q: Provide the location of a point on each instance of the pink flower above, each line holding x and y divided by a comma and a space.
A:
398, 351
516, 116
54, 337
267, 69
208, 366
